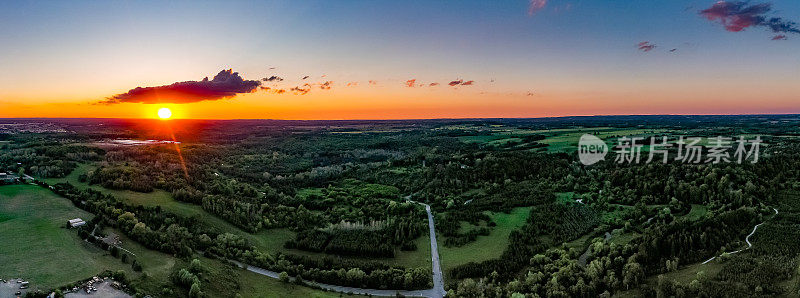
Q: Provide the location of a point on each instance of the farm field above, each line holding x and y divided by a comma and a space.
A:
36, 245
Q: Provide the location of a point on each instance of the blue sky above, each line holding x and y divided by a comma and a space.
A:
82, 51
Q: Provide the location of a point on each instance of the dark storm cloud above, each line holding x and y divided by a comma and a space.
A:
272, 79
646, 46
736, 16
225, 84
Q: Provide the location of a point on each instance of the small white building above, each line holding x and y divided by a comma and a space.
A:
76, 222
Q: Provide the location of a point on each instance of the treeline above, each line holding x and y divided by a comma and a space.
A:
169, 233
489, 171
46, 159
375, 240
449, 226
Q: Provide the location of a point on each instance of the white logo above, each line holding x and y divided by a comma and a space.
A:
591, 149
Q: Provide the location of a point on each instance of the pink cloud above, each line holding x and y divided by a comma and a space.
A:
535, 6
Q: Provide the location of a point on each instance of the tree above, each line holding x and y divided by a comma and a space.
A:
136, 266
194, 291
632, 273
195, 266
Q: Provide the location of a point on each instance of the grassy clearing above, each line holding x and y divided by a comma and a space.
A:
415, 259
568, 141
255, 285
306, 192
479, 139
485, 247
622, 238
558, 140
156, 264
697, 212
274, 239
165, 200
567, 197
37, 247
154, 198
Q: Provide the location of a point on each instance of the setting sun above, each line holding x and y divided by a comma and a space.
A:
164, 113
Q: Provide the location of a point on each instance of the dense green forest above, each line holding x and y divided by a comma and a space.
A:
343, 191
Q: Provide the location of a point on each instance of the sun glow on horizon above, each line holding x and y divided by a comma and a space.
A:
164, 113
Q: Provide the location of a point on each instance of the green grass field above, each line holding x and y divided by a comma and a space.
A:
37, 247
558, 140
567, 197
154, 198
485, 247
255, 285
567, 141
156, 264
697, 212
35, 244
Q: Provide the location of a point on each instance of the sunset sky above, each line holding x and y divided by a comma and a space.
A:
515, 58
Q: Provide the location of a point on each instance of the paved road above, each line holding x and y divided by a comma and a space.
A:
342, 289
746, 239
438, 281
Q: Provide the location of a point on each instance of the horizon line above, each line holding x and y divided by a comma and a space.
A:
402, 119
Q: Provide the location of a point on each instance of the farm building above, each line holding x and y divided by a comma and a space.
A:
76, 222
